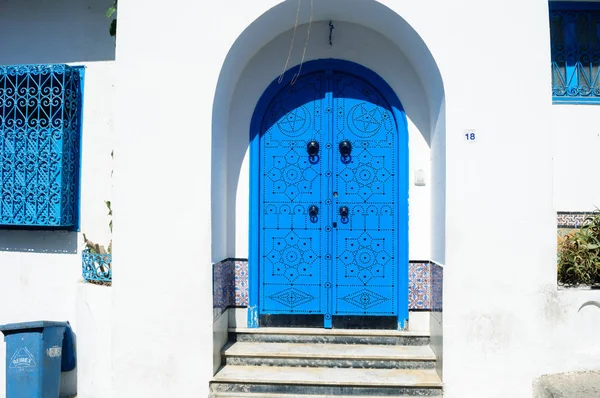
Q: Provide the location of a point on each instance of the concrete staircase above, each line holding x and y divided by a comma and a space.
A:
297, 362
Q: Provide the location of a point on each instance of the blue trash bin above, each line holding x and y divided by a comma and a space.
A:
36, 353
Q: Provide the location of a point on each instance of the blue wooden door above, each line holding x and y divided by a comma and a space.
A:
293, 267
328, 200
365, 241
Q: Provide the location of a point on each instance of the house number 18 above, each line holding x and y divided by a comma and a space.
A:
470, 135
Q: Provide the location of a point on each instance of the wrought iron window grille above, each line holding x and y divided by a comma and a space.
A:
40, 141
575, 50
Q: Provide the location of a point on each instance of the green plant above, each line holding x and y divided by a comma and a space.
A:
110, 14
579, 254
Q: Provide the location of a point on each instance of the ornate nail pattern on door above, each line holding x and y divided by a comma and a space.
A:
328, 206
293, 181
364, 242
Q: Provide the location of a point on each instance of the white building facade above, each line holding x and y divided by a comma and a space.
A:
490, 161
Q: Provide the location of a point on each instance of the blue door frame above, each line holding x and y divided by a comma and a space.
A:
324, 88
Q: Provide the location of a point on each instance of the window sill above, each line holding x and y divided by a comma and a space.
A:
575, 101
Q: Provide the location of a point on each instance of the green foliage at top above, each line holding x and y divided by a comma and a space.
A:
110, 14
579, 254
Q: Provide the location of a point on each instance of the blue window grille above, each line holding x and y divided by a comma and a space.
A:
575, 46
40, 140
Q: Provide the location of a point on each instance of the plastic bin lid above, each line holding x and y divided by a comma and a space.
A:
31, 325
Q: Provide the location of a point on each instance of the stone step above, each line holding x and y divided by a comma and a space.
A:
326, 381
265, 395
329, 355
329, 336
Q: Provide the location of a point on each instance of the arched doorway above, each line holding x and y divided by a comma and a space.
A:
329, 200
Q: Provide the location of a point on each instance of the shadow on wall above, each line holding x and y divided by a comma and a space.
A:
36, 241
68, 380
56, 31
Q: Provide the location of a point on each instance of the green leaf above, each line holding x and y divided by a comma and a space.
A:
111, 11
113, 28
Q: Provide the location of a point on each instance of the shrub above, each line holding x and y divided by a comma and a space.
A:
579, 254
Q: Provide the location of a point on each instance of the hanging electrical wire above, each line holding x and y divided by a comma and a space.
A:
291, 44
297, 75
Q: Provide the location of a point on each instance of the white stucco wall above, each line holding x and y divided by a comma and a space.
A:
500, 199
41, 270
350, 42
438, 189
576, 147
436, 339
572, 318
496, 282
94, 340
162, 295
493, 200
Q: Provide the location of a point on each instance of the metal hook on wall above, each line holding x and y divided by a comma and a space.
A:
331, 28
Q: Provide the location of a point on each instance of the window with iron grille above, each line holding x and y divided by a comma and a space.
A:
575, 41
40, 140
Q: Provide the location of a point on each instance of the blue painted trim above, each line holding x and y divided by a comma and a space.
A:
575, 101
573, 5
401, 149
81, 70
253, 234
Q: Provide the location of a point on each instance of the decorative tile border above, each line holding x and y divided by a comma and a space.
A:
223, 286
571, 219
419, 286
241, 283
437, 287
230, 285
425, 284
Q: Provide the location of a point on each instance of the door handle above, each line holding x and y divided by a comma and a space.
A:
313, 211
312, 148
344, 212
345, 148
